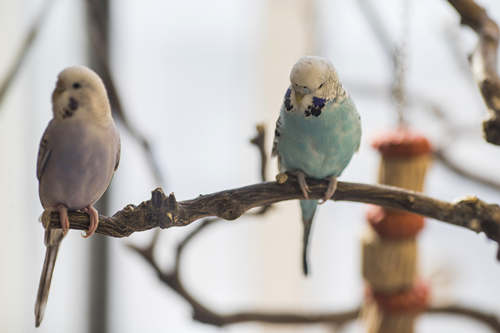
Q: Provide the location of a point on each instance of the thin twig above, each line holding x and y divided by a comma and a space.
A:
259, 140
488, 319
25, 48
459, 170
172, 278
378, 28
397, 54
451, 131
203, 313
484, 62
116, 100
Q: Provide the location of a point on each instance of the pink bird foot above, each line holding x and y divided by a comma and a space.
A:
301, 177
330, 191
94, 220
63, 217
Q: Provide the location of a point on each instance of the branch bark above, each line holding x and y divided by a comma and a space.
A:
484, 62
489, 319
204, 314
165, 211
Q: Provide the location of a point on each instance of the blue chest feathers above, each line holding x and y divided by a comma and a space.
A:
321, 140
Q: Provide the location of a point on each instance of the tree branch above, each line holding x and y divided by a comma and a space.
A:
488, 319
203, 313
467, 174
115, 99
165, 211
484, 62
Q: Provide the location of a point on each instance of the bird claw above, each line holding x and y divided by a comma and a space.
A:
63, 217
330, 191
303, 184
94, 221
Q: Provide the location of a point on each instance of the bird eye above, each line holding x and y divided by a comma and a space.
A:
321, 85
76, 85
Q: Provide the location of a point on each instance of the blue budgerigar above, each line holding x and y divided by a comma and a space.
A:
317, 132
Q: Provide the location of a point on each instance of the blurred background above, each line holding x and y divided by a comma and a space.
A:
195, 78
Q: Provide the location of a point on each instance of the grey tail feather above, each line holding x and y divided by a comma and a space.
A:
305, 241
53, 239
308, 208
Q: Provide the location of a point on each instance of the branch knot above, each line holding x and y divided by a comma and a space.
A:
228, 208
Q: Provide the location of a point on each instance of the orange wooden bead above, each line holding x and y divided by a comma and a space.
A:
415, 299
400, 143
394, 224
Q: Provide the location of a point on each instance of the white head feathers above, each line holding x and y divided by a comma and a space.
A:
80, 94
316, 76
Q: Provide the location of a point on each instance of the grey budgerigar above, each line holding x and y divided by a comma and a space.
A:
78, 154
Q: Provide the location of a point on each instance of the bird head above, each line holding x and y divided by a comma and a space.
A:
80, 94
314, 76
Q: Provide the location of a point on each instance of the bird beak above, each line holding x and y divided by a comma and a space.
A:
298, 96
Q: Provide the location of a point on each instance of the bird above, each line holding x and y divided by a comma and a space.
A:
77, 157
317, 132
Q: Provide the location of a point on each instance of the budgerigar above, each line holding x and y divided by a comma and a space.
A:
317, 132
78, 154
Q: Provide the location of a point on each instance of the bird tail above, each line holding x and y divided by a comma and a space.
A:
308, 208
53, 238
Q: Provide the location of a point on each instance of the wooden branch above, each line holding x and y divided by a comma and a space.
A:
105, 71
204, 314
453, 166
484, 62
165, 211
488, 319
379, 29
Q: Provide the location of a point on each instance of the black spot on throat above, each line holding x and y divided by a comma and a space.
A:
70, 109
315, 108
73, 104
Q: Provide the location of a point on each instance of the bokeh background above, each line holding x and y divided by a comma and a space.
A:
195, 77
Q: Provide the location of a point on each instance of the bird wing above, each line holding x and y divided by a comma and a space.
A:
360, 130
44, 152
277, 134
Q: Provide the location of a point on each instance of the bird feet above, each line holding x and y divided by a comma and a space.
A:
301, 177
282, 177
332, 186
63, 217
94, 220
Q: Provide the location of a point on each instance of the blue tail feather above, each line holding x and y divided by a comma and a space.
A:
308, 208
